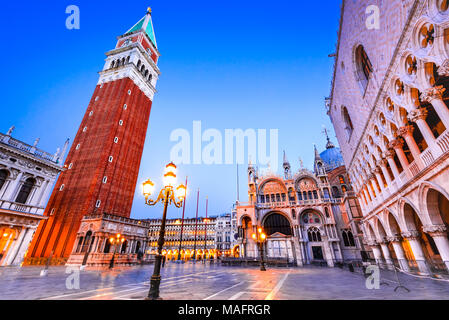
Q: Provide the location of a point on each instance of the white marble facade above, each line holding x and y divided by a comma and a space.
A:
27, 177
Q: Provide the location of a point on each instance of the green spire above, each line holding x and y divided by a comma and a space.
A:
145, 24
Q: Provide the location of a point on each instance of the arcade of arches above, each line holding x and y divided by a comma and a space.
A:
413, 239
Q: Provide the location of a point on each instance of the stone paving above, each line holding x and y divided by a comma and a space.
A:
213, 282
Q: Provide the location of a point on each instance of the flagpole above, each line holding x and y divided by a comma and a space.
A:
182, 223
196, 224
205, 232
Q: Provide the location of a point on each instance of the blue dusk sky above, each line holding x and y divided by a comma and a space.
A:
230, 64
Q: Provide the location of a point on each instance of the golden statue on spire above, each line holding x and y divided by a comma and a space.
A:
149, 10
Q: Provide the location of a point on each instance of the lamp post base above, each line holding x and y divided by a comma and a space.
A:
154, 289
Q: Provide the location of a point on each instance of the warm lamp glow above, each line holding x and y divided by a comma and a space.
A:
148, 188
260, 230
181, 192
111, 240
169, 179
263, 236
254, 236
171, 167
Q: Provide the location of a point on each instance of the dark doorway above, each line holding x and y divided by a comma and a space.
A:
277, 223
317, 253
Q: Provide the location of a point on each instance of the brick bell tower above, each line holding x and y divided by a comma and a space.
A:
102, 166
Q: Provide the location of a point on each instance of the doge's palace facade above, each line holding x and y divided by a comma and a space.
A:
389, 106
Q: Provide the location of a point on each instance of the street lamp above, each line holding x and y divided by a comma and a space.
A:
115, 241
168, 195
260, 237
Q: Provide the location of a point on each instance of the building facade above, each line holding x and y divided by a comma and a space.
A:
103, 163
198, 238
308, 216
94, 248
27, 177
226, 233
389, 106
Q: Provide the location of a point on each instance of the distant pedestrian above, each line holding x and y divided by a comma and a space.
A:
140, 256
163, 261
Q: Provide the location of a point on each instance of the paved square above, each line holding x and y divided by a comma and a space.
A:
213, 282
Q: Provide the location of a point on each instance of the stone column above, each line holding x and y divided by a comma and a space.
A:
386, 253
377, 172
370, 191
37, 195
13, 186
419, 117
400, 254
382, 164
376, 251
365, 192
407, 133
413, 238
18, 259
46, 193
14, 249
435, 97
397, 145
439, 235
390, 158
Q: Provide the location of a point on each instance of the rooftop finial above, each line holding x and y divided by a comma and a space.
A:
10, 131
329, 144
301, 163
36, 142
149, 10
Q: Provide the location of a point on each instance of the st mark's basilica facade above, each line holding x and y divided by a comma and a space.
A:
308, 216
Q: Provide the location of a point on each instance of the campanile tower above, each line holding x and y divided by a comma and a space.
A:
103, 163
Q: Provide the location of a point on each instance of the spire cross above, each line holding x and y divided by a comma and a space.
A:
326, 133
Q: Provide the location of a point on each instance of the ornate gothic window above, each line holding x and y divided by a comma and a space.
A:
349, 128
411, 65
364, 67
3, 177
442, 5
426, 35
314, 234
348, 238
25, 191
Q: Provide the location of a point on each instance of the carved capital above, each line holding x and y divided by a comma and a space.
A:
390, 154
432, 94
435, 231
411, 235
371, 243
396, 144
382, 163
406, 131
443, 70
377, 170
418, 114
395, 238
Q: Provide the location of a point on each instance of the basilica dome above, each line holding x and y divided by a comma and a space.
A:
332, 157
